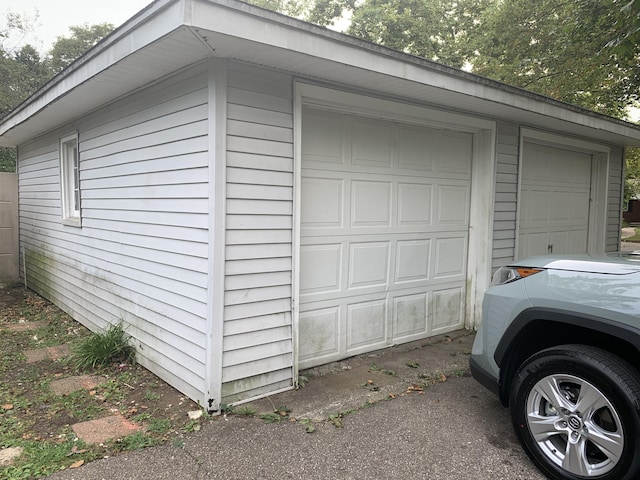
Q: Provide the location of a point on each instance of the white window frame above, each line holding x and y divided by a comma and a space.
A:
70, 179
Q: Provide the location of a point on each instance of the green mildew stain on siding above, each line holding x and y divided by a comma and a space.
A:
38, 268
239, 389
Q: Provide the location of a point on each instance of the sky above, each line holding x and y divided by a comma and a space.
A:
56, 16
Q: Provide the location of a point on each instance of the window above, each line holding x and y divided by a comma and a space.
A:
70, 179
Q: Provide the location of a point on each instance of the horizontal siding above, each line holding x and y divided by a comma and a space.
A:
614, 201
141, 255
258, 341
506, 193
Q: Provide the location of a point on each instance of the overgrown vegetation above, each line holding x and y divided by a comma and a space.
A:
99, 349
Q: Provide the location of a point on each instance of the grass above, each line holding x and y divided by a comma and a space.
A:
98, 349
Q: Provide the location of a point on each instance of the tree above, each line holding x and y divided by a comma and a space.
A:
557, 49
23, 70
435, 29
327, 12
67, 49
626, 36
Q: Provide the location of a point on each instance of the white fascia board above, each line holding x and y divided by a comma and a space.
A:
150, 24
246, 23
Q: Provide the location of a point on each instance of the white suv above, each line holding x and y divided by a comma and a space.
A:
560, 344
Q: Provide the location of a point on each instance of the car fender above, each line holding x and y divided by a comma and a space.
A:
592, 322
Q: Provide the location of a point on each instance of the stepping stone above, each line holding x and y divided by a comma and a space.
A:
65, 386
22, 326
48, 353
8, 455
104, 429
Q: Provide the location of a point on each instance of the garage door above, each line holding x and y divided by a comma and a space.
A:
384, 232
554, 209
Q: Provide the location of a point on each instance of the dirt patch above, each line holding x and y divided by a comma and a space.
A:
10, 296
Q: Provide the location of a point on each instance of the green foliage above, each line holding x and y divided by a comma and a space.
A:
626, 37
245, 411
191, 426
327, 12
159, 425
103, 348
435, 29
557, 49
293, 8
67, 49
150, 395
278, 414
7, 159
23, 70
135, 441
21, 74
632, 177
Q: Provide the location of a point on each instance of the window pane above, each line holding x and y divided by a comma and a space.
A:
76, 179
70, 181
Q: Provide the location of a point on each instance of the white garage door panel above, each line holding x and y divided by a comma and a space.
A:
410, 315
554, 208
384, 233
320, 333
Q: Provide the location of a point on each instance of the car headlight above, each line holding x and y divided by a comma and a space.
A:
511, 274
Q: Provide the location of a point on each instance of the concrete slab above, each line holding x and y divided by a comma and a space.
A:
48, 353
64, 386
627, 232
369, 378
8, 455
103, 429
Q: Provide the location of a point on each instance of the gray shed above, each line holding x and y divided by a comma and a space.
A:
252, 195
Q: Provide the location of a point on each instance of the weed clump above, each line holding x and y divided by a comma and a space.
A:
112, 345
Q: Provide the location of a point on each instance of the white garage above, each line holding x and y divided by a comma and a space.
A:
273, 195
384, 232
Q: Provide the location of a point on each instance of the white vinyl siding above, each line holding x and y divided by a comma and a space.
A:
258, 346
141, 255
504, 224
614, 201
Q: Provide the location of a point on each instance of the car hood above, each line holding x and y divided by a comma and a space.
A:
612, 264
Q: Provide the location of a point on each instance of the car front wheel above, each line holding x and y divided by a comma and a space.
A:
575, 411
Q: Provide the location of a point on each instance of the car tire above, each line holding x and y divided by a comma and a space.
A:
576, 412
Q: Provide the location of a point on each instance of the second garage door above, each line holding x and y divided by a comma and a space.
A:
384, 227
554, 210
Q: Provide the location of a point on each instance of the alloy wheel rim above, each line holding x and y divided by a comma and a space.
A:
575, 425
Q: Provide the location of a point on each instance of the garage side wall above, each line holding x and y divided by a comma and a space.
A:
614, 205
258, 346
505, 206
140, 255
